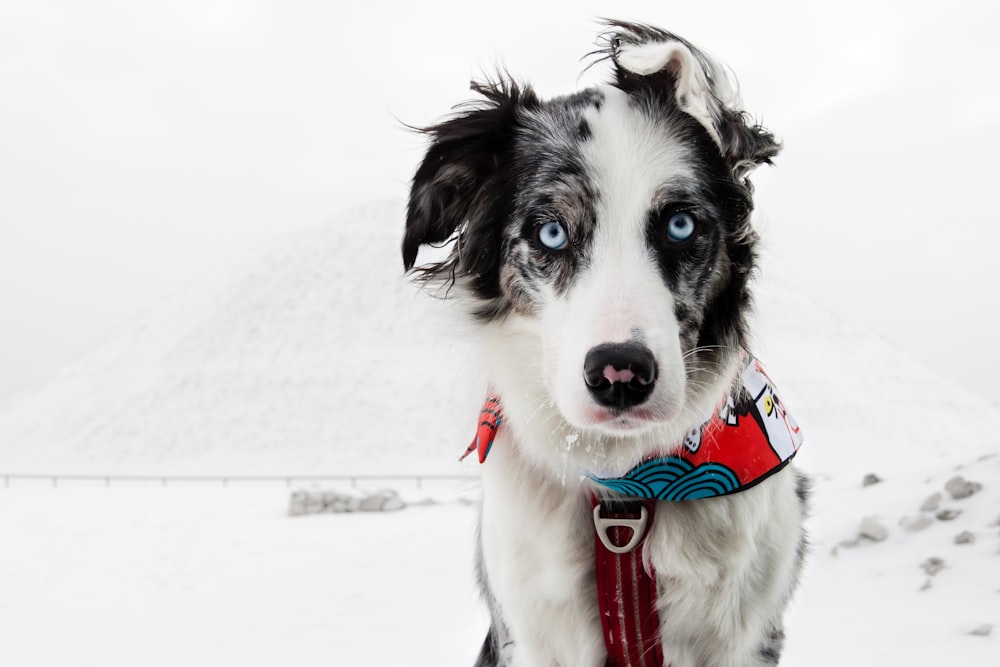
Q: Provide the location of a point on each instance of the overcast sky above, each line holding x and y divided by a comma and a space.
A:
145, 145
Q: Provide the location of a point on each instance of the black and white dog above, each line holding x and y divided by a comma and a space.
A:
603, 247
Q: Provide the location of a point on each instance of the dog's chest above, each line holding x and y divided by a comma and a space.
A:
538, 546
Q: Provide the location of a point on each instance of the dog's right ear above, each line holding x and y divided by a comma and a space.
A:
650, 60
456, 185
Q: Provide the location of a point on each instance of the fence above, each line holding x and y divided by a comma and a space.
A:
226, 480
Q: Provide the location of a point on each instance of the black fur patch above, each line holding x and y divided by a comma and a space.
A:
465, 188
770, 650
492, 176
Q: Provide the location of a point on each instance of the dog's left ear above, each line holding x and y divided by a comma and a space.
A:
651, 60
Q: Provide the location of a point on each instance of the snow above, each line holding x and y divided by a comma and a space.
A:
299, 362
200, 576
865, 604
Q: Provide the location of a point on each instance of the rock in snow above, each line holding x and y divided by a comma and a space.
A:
965, 537
932, 565
932, 503
870, 479
304, 502
916, 524
960, 488
872, 529
982, 631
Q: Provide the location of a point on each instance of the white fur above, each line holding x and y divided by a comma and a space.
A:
621, 294
724, 565
699, 92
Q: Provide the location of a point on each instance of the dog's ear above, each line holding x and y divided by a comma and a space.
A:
455, 187
652, 61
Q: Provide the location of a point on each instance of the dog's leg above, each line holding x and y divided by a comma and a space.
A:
537, 543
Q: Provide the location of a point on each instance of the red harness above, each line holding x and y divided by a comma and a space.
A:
626, 589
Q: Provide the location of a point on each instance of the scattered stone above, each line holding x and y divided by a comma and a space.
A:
915, 524
316, 502
932, 565
870, 479
965, 537
338, 502
932, 503
947, 515
393, 502
331, 501
303, 502
959, 487
982, 631
873, 530
372, 503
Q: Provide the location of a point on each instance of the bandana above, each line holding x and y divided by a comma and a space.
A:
748, 437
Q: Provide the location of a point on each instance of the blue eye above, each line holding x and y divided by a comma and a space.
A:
553, 236
680, 227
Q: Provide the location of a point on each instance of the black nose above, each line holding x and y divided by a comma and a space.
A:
620, 375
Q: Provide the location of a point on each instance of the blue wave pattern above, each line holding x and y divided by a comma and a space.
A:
672, 478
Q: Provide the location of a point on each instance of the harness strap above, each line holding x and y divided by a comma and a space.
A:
626, 591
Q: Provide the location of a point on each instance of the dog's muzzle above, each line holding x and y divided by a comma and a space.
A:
620, 375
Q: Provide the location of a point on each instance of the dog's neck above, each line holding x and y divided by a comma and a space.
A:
747, 437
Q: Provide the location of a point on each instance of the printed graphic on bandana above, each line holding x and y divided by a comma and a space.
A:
673, 478
783, 434
490, 418
748, 437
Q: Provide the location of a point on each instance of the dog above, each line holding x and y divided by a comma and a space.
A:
602, 248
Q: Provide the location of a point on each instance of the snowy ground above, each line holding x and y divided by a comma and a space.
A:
196, 575
222, 576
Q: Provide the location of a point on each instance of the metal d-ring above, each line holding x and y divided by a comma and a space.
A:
638, 527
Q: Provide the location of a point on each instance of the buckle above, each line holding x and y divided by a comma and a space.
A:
638, 526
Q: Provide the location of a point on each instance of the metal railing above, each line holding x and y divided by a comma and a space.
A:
226, 480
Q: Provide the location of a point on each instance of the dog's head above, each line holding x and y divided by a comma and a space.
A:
603, 238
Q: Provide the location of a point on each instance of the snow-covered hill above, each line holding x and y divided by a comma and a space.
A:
315, 357
318, 357
864, 404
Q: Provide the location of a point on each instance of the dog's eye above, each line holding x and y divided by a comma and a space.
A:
553, 236
680, 227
